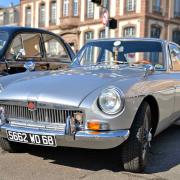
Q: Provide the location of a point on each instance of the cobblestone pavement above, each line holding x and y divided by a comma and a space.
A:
68, 163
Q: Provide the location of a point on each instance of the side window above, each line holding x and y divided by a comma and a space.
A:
32, 44
55, 49
14, 48
175, 56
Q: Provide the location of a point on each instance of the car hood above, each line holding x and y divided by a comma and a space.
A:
68, 87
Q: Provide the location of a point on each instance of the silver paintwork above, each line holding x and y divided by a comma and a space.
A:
79, 89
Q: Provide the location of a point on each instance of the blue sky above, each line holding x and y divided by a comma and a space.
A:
7, 2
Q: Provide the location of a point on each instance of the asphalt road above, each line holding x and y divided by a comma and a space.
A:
67, 163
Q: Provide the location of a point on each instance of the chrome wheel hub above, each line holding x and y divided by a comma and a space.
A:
147, 142
149, 138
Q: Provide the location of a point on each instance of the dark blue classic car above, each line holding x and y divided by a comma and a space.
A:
24, 49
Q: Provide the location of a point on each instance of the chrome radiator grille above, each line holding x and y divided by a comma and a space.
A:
21, 114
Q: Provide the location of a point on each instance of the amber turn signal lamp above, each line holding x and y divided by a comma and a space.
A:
94, 125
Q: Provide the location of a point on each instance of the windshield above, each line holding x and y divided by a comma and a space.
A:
3, 39
132, 53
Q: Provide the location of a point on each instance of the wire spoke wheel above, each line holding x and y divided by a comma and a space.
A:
135, 150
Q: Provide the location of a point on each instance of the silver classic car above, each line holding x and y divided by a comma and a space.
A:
117, 93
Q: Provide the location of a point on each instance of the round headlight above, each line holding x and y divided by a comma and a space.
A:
111, 101
1, 87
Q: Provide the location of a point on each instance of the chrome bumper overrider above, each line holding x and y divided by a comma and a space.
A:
81, 139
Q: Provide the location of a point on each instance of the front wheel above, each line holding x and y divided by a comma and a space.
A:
9, 146
135, 150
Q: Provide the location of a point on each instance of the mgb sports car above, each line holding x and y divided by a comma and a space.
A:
117, 93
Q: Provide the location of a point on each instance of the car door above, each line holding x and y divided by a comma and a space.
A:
174, 51
56, 52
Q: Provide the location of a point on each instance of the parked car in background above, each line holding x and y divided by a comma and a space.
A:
22, 48
117, 93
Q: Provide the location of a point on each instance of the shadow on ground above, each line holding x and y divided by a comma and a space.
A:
165, 154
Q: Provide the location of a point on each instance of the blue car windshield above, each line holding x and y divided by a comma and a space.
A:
3, 39
132, 53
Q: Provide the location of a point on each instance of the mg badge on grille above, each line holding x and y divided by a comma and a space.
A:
32, 106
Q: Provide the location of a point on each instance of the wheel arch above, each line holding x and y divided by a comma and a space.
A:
154, 111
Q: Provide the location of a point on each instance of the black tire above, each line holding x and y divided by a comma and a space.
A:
10, 147
135, 150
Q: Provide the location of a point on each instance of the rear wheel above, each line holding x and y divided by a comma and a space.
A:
10, 147
136, 149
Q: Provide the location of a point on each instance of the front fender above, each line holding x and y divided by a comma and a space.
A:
123, 120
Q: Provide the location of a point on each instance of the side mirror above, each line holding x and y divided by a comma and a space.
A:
30, 66
20, 54
149, 69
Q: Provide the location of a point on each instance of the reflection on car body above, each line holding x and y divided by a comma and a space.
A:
116, 92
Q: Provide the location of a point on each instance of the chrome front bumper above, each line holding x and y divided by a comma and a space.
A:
82, 139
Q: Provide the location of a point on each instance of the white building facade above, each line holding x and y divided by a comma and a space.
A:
80, 20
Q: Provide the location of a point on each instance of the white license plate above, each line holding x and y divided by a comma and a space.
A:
30, 138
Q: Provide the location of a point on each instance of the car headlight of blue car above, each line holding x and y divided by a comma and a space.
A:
2, 115
111, 101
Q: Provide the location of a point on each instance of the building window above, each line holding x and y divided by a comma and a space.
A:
16, 16
88, 36
6, 18
90, 9
155, 32
75, 7
176, 36
1, 19
66, 8
130, 5
11, 18
102, 34
53, 10
106, 4
129, 32
177, 8
42, 15
157, 6
28, 16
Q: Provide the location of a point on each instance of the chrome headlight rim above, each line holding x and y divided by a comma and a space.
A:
1, 87
120, 96
2, 115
